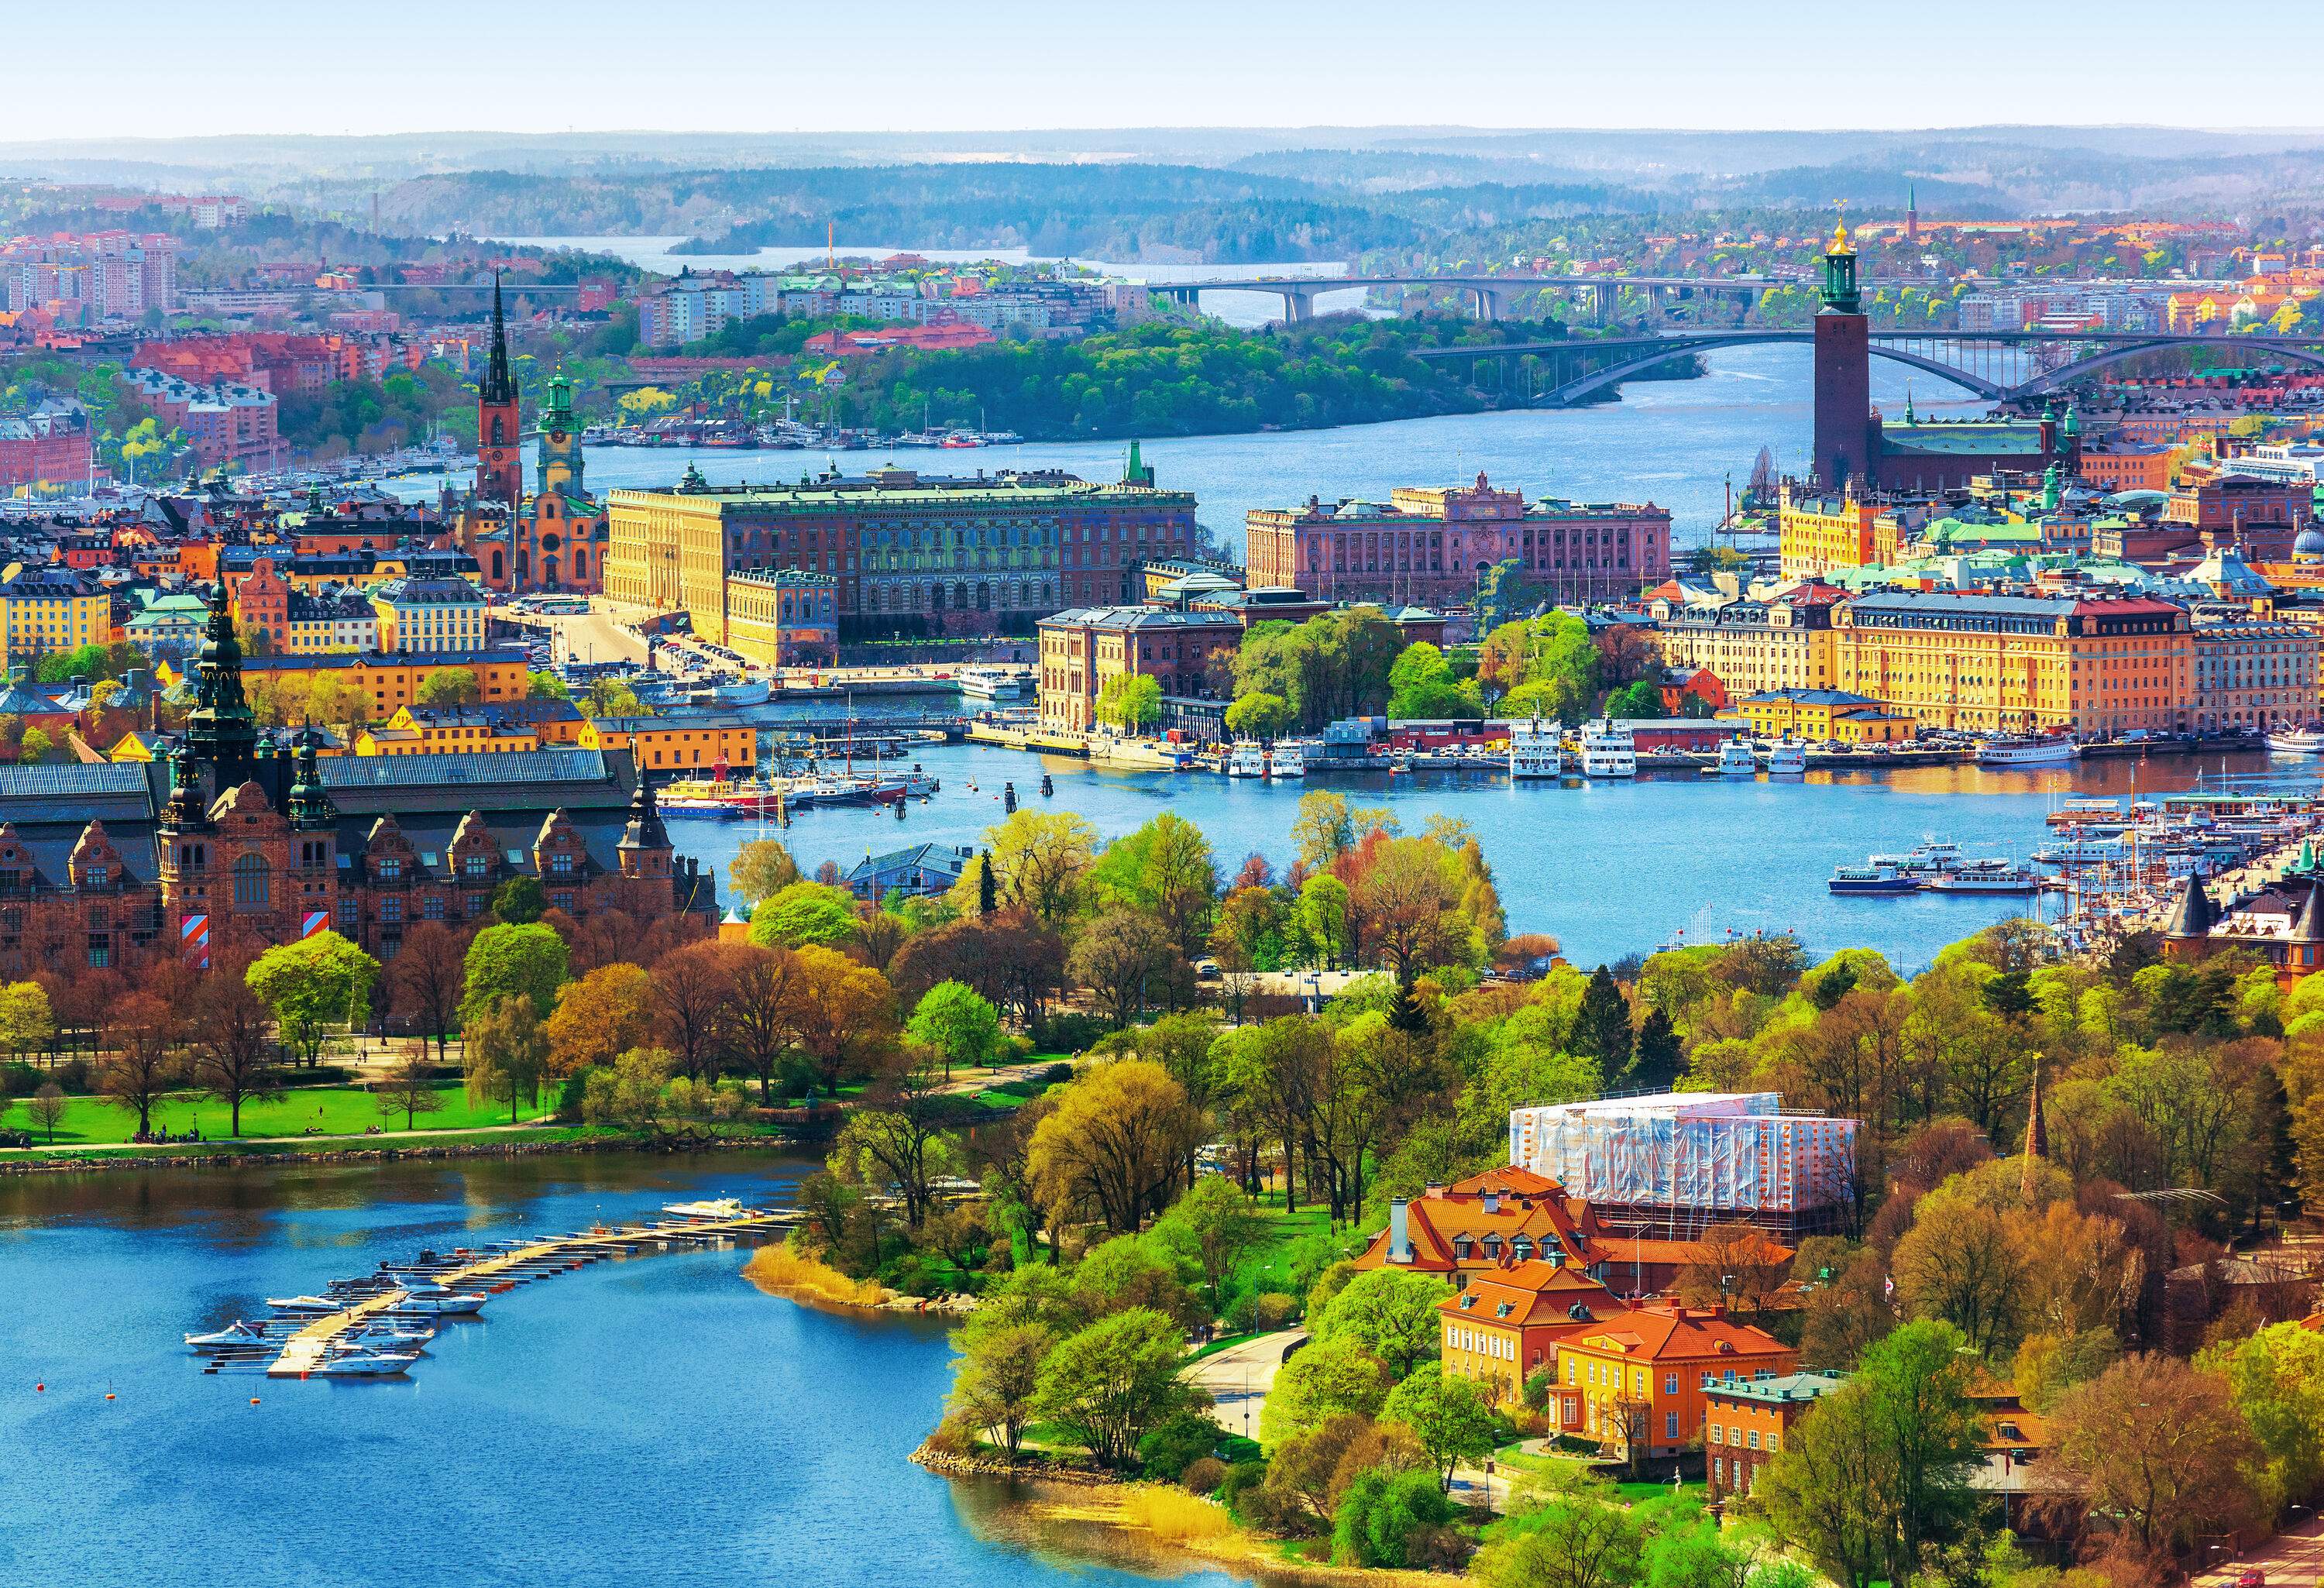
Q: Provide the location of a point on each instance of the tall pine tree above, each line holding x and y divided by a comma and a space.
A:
985, 901
1602, 1030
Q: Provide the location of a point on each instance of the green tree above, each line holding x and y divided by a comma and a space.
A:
1423, 684
2277, 1378
1580, 1539
1602, 1029
802, 913
544, 686
312, 985
998, 1377
1106, 1384
1642, 699
1390, 1314
1259, 715
1131, 702
504, 1049
762, 869
519, 901
450, 686
1327, 1379
1446, 1413
1216, 1224
1381, 1515
529, 962
953, 1019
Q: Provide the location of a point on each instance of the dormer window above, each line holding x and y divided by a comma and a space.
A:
1462, 1247
560, 865
390, 868
95, 876
476, 865
1468, 1300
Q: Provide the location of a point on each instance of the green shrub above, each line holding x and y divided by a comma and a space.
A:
1168, 1449
1376, 1523
1242, 1478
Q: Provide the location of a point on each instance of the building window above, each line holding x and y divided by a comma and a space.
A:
100, 950
432, 907
1670, 1424
251, 883
560, 865
95, 876
390, 868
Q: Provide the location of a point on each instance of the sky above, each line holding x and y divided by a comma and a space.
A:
138, 67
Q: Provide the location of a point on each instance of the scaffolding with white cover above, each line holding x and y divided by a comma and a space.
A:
1685, 1160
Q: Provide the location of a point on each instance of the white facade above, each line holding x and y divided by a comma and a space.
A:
1705, 1153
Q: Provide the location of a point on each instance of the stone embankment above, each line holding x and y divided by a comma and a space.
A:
985, 1464
34, 1162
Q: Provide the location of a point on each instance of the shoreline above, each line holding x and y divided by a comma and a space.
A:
227, 1157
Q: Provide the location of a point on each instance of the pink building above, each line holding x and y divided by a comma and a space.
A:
228, 422
1430, 544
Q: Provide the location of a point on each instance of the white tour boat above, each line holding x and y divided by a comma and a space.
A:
2028, 752
1787, 757
1736, 760
1246, 761
1537, 750
1286, 760
1609, 750
2307, 740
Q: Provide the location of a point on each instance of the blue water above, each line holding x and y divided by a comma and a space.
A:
1607, 868
652, 1421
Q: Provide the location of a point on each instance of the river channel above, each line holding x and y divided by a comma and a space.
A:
649, 1421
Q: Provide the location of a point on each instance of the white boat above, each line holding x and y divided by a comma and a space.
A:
717, 1207
233, 1334
2028, 752
1787, 757
990, 683
741, 692
2308, 740
1537, 750
1609, 750
315, 1304
364, 1364
1736, 760
436, 1300
1246, 761
1878, 877
1990, 876
1286, 760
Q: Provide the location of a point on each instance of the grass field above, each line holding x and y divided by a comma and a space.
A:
335, 1111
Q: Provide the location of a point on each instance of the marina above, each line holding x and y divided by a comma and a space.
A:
378, 1324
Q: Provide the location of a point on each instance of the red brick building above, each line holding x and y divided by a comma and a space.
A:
48, 446
1745, 1425
1430, 544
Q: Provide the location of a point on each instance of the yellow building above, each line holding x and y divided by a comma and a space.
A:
429, 614
1755, 647
1638, 1379
664, 744
2019, 664
54, 608
1818, 535
473, 732
392, 682
1824, 716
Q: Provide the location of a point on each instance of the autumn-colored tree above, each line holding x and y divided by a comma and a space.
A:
227, 1025
599, 1017
2160, 1445
761, 869
1735, 1264
408, 1087
145, 1063
846, 1013
506, 1050
1959, 1262
425, 981
763, 1014
690, 987
1122, 957
1114, 1143
1043, 860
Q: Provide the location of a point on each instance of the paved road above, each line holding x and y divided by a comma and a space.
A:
1239, 1377
2291, 1559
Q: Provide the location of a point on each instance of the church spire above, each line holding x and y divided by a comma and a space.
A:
498, 385
2037, 1135
222, 729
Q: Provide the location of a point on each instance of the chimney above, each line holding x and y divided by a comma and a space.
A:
1493, 1202
1436, 1192
1400, 1231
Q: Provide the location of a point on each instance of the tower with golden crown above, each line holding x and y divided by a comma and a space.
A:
1844, 447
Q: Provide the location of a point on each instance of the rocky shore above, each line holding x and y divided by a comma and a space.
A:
986, 1463
35, 1162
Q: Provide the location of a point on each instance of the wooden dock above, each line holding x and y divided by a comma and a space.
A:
502, 1272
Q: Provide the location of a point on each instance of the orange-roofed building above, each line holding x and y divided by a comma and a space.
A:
1504, 1324
1515, 1215
1636, 1383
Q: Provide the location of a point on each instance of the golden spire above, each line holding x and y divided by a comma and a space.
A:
1840, 231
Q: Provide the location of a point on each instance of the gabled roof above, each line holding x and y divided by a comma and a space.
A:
1682, 1333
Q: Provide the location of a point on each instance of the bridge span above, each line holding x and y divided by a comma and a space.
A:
1554, 374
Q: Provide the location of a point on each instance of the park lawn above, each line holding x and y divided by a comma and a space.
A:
295, 1147
1269, 1266
338, 1110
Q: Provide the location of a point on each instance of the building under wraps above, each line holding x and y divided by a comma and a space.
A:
1688, 1160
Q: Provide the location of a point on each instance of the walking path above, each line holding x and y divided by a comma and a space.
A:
2291, 1559
1239, 1377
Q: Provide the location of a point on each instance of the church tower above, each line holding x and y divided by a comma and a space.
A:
559, 462
500, 458
1844, 428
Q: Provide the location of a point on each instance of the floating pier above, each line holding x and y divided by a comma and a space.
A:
312, 1343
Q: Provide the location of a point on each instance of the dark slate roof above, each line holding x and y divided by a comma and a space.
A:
539, 780
2193, 916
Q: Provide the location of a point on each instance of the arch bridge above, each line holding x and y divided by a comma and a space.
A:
1991, 364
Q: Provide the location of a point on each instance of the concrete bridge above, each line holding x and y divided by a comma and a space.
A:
1988, 363
1486, 296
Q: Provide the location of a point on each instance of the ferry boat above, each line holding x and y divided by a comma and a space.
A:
2028, 752
2086, 810
1990, 876
2305, 740
1872, 879
1247, 761
1609, 750
1286, 760
1537, 750
1736, 760
1787, 758
739, 692
990, 683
